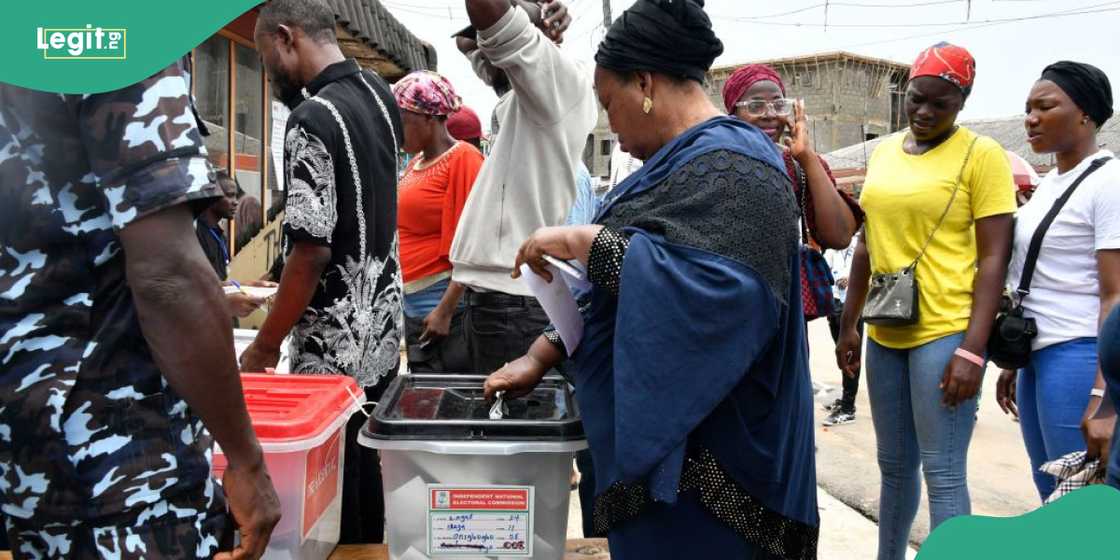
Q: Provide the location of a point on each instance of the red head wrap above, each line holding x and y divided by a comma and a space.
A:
948, 62
744, 78
464, 124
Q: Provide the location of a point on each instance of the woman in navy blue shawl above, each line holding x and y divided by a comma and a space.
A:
692, 373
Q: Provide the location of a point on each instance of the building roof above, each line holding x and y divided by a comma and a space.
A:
371, 24
814, 58
1008, 131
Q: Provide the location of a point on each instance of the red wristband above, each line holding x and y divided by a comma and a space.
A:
970, 357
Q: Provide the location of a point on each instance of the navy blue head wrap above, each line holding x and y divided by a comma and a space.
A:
672, 37
1086, 85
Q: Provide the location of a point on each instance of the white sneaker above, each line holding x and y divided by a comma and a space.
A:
839, 418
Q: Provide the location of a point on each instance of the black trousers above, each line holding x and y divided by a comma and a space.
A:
500, 328
851, 384
363, 504
450, 354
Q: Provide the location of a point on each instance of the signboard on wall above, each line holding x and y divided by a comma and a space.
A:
280, 115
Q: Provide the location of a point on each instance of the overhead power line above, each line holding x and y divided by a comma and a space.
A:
924, 24
980, 25
437, 8
840, 5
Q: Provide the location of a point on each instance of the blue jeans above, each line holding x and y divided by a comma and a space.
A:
420, 304
1052, 393
914, 431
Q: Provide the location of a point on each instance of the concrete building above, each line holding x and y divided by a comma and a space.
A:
597, 152
849, 98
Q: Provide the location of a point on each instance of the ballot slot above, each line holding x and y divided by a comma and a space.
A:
460, 483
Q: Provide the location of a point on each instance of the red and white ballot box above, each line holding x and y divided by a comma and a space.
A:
301, 422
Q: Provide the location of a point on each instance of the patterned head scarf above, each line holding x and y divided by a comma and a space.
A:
427, 93
948, 62
744, 78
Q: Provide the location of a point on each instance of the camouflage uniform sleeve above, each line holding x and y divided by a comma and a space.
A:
311, 206
145, 148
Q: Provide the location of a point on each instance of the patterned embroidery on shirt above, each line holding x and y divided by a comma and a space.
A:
385, 114
358, 334
312, 203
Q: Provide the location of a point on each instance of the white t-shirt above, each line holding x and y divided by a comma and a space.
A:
840, 261
1064, 297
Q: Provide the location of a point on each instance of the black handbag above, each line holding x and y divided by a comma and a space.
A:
1009, 345
892, 297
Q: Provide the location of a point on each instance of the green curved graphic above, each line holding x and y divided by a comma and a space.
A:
1076, 526
150, 34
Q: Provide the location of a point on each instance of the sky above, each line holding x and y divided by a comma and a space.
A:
1012, 40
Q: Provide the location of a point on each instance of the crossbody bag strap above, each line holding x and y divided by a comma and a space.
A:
952, 198
1040, 233
802, 187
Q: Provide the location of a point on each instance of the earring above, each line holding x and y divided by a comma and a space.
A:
647, 105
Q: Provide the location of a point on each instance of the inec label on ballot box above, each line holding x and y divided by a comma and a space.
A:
480, 520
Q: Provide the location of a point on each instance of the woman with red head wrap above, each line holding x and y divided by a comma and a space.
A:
464, 125
755, 94
939, 200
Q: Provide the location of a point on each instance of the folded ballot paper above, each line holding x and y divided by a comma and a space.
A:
557, 297
252, 291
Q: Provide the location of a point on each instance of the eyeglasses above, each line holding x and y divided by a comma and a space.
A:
758, 107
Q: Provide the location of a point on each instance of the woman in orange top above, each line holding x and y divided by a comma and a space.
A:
430, 199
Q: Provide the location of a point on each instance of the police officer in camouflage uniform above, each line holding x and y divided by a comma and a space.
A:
106, 403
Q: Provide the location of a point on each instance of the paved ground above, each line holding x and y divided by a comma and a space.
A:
998, 469
999, 472
846, 534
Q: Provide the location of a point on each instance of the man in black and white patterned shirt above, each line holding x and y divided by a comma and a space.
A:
340, 290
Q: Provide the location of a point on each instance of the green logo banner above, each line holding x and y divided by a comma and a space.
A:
1076, 526
90, 46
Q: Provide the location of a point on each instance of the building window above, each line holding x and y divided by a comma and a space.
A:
604, 147
230, 95
248, 135
211, 91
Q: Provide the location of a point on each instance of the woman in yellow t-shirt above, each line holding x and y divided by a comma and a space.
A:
923, 378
